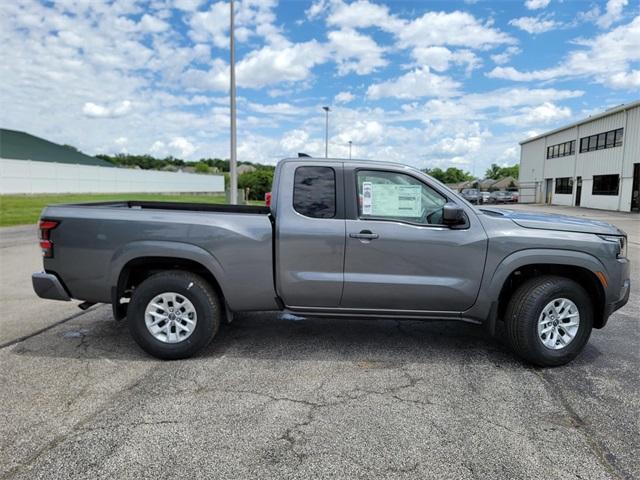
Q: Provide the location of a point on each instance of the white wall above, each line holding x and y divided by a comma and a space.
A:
531, 177
25, 176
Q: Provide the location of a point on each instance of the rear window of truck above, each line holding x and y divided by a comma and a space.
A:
314, 192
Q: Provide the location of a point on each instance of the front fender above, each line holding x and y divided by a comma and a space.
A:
533, 256
486, 307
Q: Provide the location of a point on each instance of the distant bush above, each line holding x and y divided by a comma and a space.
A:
256, 183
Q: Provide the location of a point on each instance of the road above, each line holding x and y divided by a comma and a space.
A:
277, 398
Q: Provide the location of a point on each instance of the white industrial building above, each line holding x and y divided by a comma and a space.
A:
592, 163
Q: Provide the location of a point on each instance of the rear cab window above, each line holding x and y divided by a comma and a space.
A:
314, 192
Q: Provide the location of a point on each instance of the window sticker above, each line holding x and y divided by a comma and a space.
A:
393, 200
367, 198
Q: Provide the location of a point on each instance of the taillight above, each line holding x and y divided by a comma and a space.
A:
267, 199
46, 245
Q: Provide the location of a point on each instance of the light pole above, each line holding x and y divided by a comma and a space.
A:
350, 142
233, 160
326, 132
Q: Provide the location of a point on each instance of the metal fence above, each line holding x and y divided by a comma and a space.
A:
26, 176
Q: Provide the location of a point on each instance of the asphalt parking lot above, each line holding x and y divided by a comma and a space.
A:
278, 398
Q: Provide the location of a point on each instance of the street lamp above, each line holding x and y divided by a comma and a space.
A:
326, 132
350, 142
233, 160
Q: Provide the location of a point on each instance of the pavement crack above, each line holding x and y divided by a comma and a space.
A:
45, 329
604, 457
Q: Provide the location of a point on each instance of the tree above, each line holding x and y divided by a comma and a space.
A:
450, 175
202, 167
258, 183
496, 172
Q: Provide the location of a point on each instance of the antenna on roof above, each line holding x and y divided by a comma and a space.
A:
303, 155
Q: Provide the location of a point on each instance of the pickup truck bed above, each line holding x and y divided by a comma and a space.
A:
96, 241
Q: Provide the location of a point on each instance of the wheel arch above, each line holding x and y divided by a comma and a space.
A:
577, 266
136, 262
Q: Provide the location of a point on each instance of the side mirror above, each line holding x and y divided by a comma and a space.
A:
452, 214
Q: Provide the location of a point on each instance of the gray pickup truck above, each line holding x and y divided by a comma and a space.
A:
340, 239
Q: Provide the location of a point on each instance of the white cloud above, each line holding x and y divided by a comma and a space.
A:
270, 65
536, 4
612, 14
344, 97
459, 145
281, 108
455, 28
627, 80
417, 83
212, 24
182, 147
316, 9
94, 110
294, 141
542, 114
606, 57
187, 5
363, 132
355, 52
509, 156
361, 14
441, 58
505, 57
149, 23
534, 24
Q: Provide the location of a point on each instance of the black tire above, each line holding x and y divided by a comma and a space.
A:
197, 291
525, 308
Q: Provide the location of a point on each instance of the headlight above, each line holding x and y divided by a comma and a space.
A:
620, 240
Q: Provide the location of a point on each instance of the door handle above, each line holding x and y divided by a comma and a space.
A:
364, 235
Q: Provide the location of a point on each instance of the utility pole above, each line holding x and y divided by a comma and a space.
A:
326, 132
233, 160
350, 142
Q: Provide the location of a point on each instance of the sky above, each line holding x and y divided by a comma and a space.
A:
430, 84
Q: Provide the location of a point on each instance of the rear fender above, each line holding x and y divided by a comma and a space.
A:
186, 251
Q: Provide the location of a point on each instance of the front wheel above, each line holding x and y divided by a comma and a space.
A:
173, 315
549, 320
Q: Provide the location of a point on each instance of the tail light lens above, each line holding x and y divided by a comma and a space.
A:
267, 199
46, 245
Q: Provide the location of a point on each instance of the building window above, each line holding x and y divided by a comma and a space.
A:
314, 192
564, 186
618, 137
601, 141
611, 139
605, 184
561, 149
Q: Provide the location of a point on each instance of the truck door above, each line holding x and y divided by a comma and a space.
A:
399, 255
310, 234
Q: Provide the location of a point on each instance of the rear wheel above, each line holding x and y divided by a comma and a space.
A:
549, 320
174, 314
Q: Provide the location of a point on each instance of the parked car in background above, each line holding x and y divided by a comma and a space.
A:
472, 195
501, 197
341, 239
485, 196
516, 196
